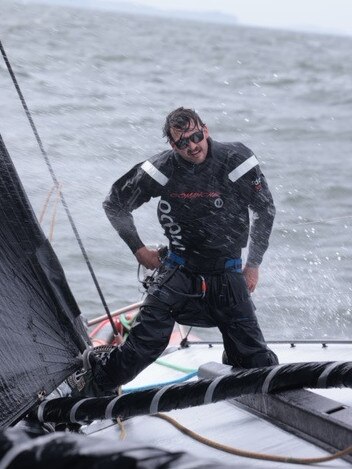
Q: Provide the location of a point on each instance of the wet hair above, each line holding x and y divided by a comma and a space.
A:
181, 119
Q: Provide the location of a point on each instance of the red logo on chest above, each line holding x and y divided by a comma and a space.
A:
194, 195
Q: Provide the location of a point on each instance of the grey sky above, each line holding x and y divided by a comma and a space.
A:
316, 15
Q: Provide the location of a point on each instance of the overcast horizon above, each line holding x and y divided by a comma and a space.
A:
325, 16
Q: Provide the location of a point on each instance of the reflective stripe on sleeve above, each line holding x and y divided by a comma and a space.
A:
243, 168
154, 173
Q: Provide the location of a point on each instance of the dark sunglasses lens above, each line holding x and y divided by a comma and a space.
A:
182, 143
197, 137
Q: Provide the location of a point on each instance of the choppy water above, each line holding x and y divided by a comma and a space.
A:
99, 85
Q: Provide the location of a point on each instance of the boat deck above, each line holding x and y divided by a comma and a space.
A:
224, 422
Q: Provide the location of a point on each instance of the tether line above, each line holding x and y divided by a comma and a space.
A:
57, 185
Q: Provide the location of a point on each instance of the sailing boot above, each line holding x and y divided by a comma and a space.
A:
93, 380
259, 360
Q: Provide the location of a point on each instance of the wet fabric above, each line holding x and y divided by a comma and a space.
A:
227, 305
203, 209
41, 333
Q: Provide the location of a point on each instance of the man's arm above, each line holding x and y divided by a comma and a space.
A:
128, 193
148, 257
262, 206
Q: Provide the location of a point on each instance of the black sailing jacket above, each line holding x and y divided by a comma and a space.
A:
204, 208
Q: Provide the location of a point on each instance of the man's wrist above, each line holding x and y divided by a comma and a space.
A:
136, 249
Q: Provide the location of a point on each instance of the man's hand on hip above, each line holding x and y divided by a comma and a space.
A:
148, 257
251, 275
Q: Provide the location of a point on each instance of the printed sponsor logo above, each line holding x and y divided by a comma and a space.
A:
257, 183
170, 225
194, 195
218, 202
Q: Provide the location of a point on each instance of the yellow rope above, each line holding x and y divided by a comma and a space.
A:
120, 423
250, 454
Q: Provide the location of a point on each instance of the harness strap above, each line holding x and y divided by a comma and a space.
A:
235, 264
174, 259
171, 256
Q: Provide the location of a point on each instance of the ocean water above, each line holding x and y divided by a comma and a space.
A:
99, 85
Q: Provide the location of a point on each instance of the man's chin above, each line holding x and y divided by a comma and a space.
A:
197, 158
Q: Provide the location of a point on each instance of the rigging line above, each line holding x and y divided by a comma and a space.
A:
184, 341
63, 201
326, 220
53, 219
45, 206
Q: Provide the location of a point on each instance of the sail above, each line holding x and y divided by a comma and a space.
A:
41, 332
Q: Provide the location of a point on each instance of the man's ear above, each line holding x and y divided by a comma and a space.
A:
206, 131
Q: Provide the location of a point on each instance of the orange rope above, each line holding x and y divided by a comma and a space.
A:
250, 454
45, 206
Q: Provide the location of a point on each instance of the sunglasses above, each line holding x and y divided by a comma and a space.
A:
196, 137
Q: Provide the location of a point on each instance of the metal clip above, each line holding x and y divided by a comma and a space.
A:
203, 287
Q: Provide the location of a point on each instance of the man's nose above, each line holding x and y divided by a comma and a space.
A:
191, 145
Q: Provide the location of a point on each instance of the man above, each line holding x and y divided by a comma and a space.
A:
205, 189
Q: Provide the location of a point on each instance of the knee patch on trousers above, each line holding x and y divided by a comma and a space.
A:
259, 360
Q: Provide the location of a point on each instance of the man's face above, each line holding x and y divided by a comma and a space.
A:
193, 152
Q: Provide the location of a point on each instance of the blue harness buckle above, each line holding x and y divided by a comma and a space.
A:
174, 259
235, 264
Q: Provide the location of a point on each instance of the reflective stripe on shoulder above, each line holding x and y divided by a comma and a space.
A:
154, 173
243, 168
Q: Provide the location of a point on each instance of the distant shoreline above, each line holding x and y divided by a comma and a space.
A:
211, 17
136, 9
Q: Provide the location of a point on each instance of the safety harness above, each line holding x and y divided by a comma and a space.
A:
176, 262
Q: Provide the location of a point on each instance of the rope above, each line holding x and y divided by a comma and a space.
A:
118, 312
317, 221
56, 183
184, 342
119, 421
251, 454
45, 205
175, 367
125, 322
147, 387
53, 219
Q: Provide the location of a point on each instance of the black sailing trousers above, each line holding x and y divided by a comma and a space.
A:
226, 304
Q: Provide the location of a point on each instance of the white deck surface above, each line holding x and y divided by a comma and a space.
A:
223, 422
